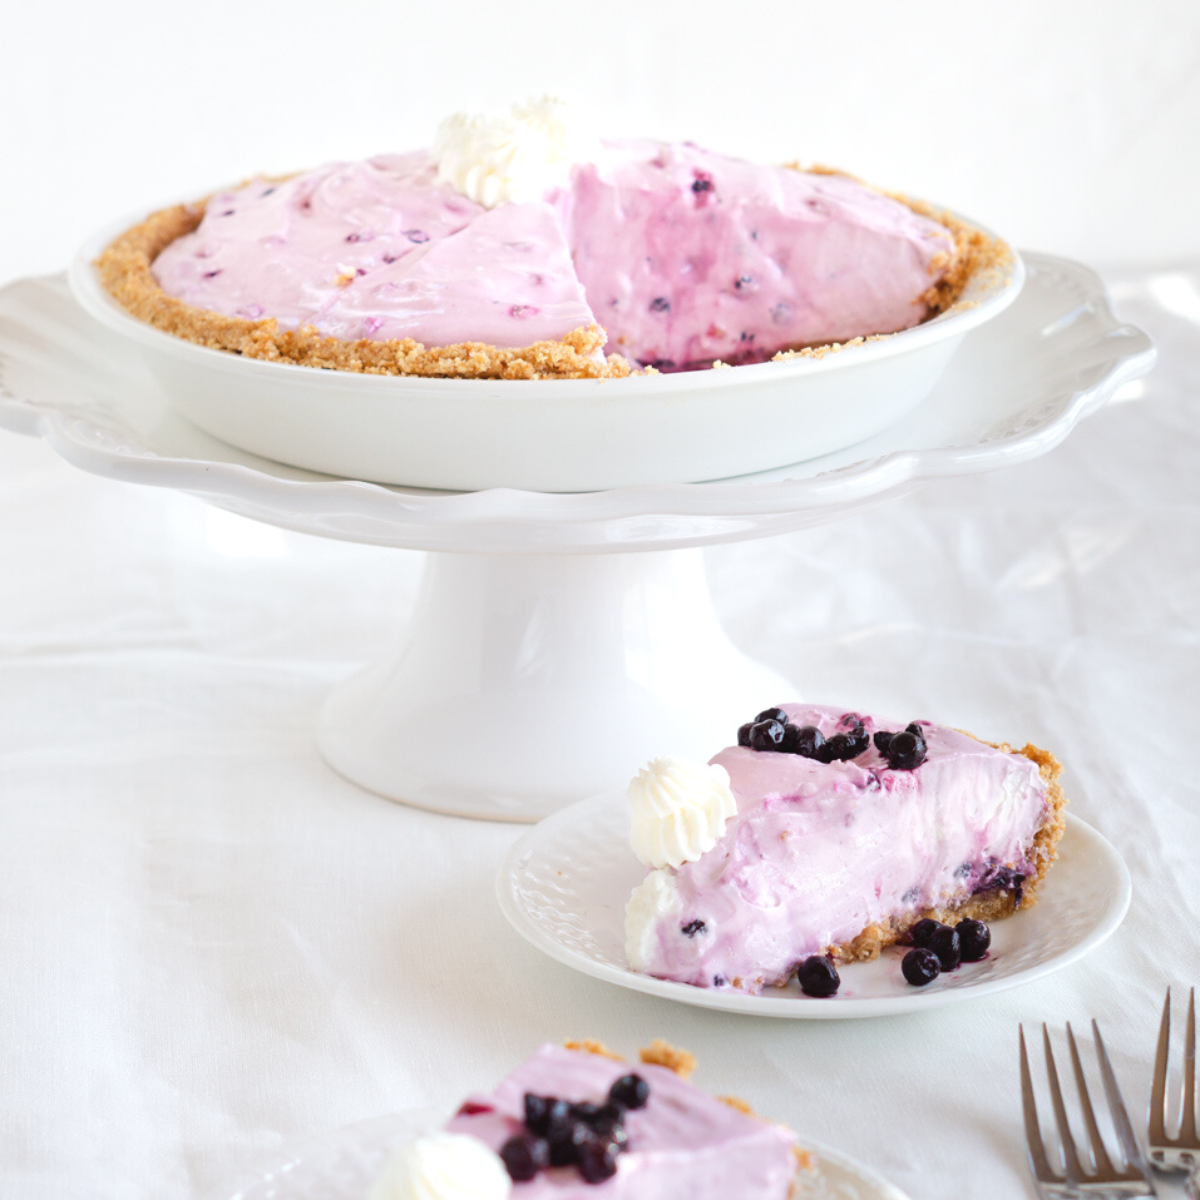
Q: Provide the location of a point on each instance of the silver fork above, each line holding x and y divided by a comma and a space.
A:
1101, 1179
1181, 1152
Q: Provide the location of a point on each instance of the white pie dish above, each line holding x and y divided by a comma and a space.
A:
550, 435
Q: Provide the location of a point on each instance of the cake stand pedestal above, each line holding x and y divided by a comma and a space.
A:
523, 680
561, 640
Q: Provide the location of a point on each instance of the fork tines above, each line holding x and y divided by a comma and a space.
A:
1100, 1176
1183, 1150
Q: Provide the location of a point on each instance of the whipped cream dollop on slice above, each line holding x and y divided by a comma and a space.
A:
512, 158
443, 1166
679, 810
653, 900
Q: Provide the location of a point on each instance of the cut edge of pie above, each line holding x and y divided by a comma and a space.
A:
993, 904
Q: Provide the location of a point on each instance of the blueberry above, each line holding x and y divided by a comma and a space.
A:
844, 746
975, 938
859, 742
905, 752
566, 1140
607, 1122
524, 1156
856, 738
923, 930
808, 741
916, 730
692, 928
883, 740
771, 714
660, 304
544, 1119
597, 1160
744, 733
837, 747
537, 1113
920, 967
945, 944
818, 976
766, 735
630, 1091
585, 1111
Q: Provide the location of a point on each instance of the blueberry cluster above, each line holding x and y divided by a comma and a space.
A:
938, 948
772, 730
586, 1136
904, 751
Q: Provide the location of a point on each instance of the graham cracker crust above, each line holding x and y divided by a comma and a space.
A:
125, 271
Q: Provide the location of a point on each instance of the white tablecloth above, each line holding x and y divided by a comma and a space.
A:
211, 945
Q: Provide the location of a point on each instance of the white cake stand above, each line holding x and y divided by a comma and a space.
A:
573, 634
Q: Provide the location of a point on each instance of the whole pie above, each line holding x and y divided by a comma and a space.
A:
511, 249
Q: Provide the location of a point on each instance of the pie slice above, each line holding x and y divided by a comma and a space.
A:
826, 832
676, 1142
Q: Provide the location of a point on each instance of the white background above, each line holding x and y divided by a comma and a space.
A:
1070, 126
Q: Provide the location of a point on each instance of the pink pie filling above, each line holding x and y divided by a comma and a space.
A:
683, 1145
683, 256
818, 852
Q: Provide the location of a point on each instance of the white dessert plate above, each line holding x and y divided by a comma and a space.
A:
342, 1165
564, 884
550, 435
